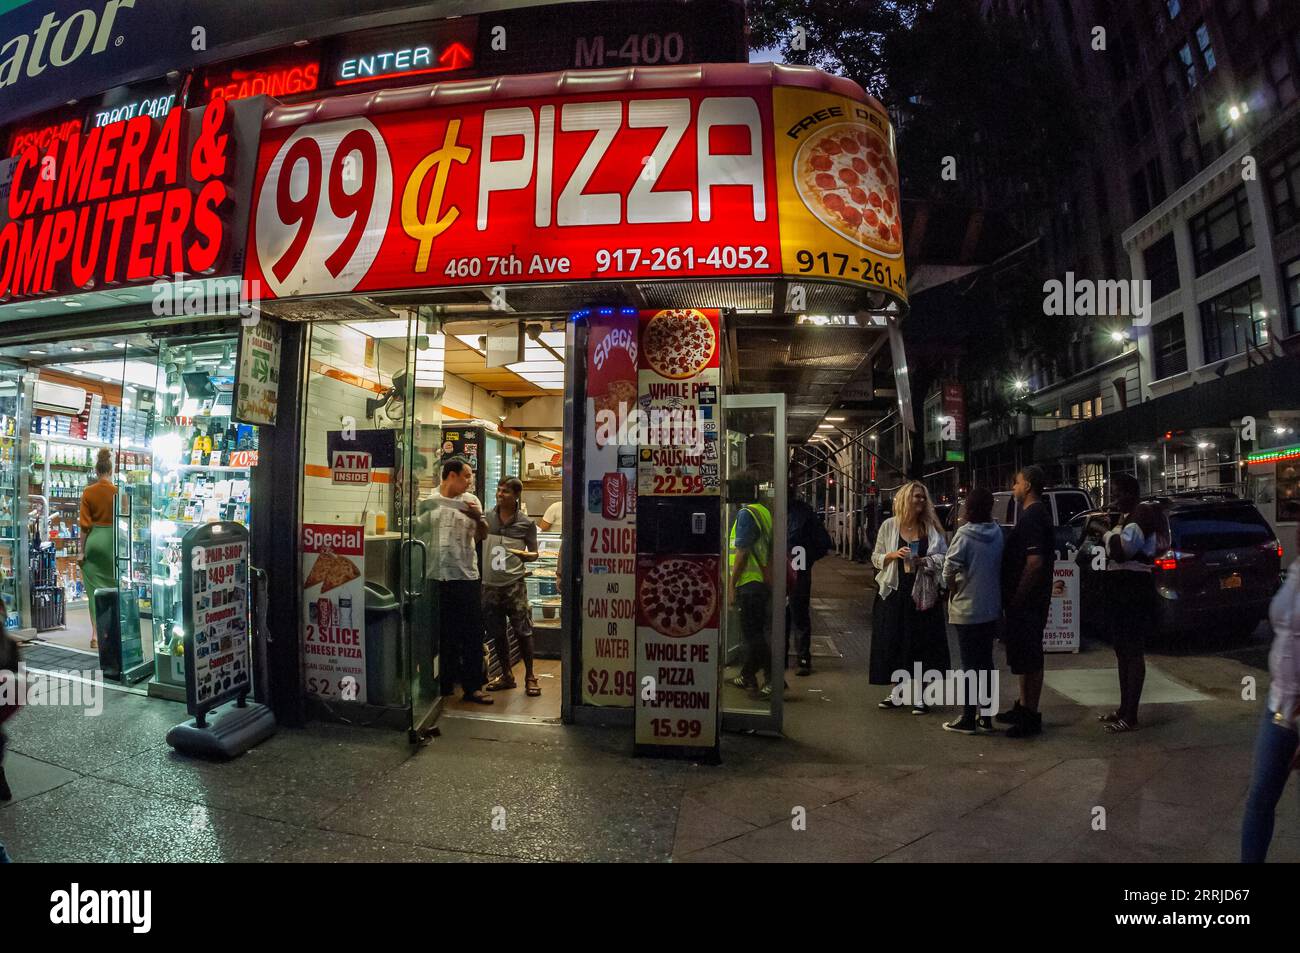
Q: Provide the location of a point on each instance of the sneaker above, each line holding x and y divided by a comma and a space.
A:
1030, 723
766, 690
1011, 717
920, 710
747, 684
805, 667
986, 723
888, 703
961, 726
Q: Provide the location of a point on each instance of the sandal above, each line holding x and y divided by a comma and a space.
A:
531, 688
1119, 726
501, 685
479, 698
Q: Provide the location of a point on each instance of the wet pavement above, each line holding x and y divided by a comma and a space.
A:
849, 782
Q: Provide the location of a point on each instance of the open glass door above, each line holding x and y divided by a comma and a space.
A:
754, 575
422, 388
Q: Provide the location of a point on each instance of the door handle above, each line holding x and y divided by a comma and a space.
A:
407, 576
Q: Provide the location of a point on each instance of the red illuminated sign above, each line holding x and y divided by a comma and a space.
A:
119, 204
279, 79
42, 137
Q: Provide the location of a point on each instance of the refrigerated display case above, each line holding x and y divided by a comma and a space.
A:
544, 596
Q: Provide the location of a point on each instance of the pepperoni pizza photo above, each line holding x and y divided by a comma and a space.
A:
847, 179
678, 343
678, 597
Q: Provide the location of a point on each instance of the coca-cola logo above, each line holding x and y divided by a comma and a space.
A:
619, 338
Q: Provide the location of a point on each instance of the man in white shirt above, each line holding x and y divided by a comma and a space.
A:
451, 522
552, 518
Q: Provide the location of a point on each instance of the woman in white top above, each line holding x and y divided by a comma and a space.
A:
909, 544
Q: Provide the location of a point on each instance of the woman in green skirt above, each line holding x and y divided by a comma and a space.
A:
97, 534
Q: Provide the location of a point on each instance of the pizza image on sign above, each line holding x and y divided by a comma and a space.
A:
678, 343
678, 596
846, 177
331, 571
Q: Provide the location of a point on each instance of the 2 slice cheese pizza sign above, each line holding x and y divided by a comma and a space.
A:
678, 597
847, 179
679, 343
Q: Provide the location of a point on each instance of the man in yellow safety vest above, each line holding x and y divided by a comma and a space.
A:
750, 547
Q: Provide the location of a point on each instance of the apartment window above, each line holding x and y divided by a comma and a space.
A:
1173, 87
1232, 322
1161, 261
1174, 7
1284, 186
1207, 50
1096, 406
1156, 181
1281, 78
1187, 65
1291, 272
1222, 232
1186, 156
1169, 348
1076, 412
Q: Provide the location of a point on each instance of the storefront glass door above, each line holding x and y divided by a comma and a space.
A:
754, 624
423, 390
13, 502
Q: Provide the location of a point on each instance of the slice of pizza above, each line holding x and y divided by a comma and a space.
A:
331, 571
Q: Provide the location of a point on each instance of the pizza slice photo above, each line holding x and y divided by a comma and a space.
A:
847, 178
331, 571
678, 597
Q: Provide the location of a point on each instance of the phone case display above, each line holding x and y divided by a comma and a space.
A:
62, 468
193, 483
10, 561
135, 542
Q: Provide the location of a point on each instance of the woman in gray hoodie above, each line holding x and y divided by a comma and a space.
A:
972, 572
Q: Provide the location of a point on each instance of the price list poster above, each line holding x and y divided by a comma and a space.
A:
677, 390
609, 518
677, 648
219, 612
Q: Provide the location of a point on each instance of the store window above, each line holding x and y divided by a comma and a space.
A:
1161, 262
1174, 7
1284, 187
1169, 348
1234, 321
1222, 232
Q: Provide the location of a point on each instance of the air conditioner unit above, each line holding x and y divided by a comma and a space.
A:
59, 398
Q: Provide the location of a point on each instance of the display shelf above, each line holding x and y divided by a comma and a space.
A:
542, 588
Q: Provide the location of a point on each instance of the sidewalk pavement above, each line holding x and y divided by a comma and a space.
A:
872, 785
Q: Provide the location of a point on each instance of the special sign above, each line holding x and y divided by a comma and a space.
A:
334, 600
119, 204
609, 185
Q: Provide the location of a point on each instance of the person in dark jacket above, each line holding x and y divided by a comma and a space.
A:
808, 541
972, 572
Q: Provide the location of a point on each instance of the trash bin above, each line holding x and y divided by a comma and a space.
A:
384, 682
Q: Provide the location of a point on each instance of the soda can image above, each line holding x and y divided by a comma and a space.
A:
325, 613
615, 496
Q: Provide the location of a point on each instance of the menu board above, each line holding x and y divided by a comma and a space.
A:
333, 612
1062, 632
677, 395
216, 617
257, 384
677, 648
609, 521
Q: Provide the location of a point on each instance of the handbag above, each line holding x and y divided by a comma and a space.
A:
925, 591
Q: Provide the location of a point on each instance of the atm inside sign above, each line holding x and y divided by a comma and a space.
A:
348, 466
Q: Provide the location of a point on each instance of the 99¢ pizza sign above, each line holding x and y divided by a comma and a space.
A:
624, 184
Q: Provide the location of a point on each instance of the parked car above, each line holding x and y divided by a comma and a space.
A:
1218, 564
1065, 502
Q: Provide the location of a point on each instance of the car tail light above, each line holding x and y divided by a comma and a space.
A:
1172, 560
1272, 547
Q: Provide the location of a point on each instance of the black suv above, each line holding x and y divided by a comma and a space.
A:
1218, 564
